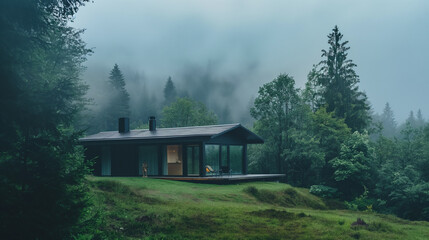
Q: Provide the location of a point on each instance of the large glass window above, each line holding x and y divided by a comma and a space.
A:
212, 158
236, 158
174, 159
224, 156
148, 158
193, 160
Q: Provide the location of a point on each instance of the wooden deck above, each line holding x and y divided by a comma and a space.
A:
224, 178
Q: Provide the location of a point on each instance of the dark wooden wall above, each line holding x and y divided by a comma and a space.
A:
124, 160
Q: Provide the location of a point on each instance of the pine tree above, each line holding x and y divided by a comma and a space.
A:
338, 80
411, 120
119, 104
170, 93
388, 122
420, 121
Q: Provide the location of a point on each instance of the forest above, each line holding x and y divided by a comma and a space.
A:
324, 137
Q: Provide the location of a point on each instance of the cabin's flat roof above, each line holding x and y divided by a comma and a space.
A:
166, 133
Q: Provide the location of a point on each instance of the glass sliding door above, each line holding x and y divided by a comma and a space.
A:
193, 160
224, 156
174, 160
236, 158
212, 158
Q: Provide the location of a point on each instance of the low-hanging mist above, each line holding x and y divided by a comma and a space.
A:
228, 93
163, 38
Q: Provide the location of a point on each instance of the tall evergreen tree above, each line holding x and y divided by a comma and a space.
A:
119, 102
420, 121
388, 122
170, 93
43, 193
411, 120
117, 81
338, 80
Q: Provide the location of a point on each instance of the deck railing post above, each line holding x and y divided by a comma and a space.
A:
202, 159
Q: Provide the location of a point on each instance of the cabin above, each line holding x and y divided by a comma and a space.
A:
182, 153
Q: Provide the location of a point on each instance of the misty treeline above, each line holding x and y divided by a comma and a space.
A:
385, 123
134, 95
324, 137
42, 169
174, 108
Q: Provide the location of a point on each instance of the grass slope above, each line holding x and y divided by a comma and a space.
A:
142, 208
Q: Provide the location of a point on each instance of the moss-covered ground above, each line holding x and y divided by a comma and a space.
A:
144, 208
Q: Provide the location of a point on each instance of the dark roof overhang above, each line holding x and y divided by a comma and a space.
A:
215, 133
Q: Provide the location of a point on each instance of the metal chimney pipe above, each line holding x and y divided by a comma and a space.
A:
152, 123
124, 125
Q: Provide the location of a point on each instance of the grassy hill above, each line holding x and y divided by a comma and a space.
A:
141, 208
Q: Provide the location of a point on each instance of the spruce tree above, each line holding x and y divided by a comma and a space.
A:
388, 122
170, 93
119, 104
411, 120
338, 80
420, 121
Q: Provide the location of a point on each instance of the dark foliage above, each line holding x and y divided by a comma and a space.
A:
275, 110
44, 195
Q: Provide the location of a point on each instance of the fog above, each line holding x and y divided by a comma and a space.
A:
220, 52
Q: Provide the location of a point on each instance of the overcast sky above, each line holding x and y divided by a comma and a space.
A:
251, 42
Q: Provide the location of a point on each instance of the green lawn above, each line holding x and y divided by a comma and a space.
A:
142, 208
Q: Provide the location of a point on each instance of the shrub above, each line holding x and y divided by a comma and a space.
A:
324, 191
362, 203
